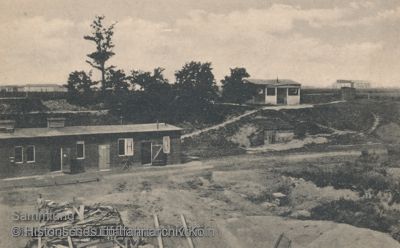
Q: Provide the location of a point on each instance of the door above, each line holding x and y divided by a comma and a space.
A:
146, 152
281, 96
66, 159
159, 157
104, 157
56, 159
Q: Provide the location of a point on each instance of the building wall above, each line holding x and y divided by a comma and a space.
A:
263, 98
46, 148
43, 89
271, 99
293, 100
284, 136
348, 93
259, 97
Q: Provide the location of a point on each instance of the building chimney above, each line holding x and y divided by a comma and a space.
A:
55, 122
7, 126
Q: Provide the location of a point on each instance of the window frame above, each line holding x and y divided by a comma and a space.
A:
118, 150
22, 155
268, 89
83, 150
297, 91
124, 147
34, 154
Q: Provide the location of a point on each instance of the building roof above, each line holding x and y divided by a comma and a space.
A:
87, 130
274, 82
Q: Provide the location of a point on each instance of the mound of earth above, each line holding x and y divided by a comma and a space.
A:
389, 133
263, 231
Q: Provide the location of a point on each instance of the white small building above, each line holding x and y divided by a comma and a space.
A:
358, 84
275, 91
43, 88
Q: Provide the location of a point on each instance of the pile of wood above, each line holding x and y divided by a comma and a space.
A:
72, 216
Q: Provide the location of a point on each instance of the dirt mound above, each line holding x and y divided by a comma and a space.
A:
389, 133
306, 195
351, 237
263, 231
62, 105
242, 137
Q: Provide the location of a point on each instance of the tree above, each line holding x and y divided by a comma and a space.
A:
80, 87
195, 88
102, 37
116, 91
150, 83
155, 92
196, 80
116, 82
234, 89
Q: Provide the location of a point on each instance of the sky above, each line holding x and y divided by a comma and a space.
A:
312, 42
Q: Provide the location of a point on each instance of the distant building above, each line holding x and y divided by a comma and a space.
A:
43, 88
348, 93
357, 84
276, 91
33, 88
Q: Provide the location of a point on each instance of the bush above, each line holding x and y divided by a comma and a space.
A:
357, 175
357, 213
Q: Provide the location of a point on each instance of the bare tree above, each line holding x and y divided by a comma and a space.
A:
102, 37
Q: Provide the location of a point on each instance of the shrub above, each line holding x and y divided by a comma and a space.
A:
362, 213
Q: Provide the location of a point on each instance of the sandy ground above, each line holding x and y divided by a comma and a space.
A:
227, 194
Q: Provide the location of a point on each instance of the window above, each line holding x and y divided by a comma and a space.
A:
19, 154
30, 154
270, 91
80, 150
125, 147
166, 144
293, 91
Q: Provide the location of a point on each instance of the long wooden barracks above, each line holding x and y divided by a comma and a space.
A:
36, 151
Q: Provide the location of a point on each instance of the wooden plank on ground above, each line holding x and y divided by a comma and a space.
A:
283, 242
157, 225
188, 238
70, 242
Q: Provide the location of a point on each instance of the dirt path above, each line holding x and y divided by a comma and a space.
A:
237, 118
336, 131
376, 123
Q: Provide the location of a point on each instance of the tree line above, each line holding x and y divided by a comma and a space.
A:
192, 96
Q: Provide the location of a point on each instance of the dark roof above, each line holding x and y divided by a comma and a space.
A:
274, 82
87, 130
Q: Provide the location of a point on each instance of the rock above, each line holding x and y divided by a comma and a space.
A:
301, 214
269, 205
278, 195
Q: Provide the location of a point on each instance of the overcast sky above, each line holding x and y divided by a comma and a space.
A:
313, 42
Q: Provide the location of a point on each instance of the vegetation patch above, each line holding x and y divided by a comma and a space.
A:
362, 213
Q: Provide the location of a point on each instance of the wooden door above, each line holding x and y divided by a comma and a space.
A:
66, 159
56, 159
104, 157
158, 156
146, 152
281, 97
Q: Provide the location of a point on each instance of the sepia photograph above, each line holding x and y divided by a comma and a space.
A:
199, 124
